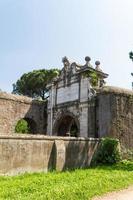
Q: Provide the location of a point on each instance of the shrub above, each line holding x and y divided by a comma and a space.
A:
22, 126
108, 152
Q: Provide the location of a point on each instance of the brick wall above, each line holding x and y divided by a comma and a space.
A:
14, 107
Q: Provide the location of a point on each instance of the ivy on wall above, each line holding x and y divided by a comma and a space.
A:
93, 77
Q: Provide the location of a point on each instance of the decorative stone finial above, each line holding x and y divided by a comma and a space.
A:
87, 59
65, 61
97, 63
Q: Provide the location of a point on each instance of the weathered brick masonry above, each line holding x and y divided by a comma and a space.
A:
14, 107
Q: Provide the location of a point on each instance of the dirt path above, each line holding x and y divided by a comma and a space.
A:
126, 194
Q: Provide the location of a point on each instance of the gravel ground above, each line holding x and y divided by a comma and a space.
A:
126, 194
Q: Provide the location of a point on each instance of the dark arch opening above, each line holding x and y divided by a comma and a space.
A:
67, 126
26, 125
32, 125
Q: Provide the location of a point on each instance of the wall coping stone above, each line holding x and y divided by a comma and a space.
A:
114, 90
19, 98
44, 137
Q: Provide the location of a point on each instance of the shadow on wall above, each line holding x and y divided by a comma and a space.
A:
52, 159
32, 125
79, 154
41, 154
71, 154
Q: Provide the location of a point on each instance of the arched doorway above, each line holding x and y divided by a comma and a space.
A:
67, 126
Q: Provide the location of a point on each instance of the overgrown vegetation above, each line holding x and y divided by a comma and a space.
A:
70, 185
131, 55
108, 152
22, 126
93, 77
127, 153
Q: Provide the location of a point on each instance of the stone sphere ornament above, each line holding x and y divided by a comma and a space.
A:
87, 58
64, 59
97, 63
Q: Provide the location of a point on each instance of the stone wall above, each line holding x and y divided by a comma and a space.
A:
115, 114
30, 153
14, 107
110, 113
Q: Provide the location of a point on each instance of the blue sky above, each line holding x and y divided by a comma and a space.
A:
36, 34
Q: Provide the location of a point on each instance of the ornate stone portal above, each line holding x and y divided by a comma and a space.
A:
71, 105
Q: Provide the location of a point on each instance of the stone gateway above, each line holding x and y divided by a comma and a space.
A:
79, 105
79, 111
71, 106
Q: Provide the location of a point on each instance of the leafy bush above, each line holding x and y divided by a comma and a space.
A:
22, 126
108, 152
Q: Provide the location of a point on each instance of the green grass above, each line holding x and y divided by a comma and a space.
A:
70, 185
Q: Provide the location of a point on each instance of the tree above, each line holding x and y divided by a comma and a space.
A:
33, 84
131, 55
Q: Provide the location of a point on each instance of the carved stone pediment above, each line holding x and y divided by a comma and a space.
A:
68, 70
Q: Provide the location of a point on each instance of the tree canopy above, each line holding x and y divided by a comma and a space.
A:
131, 55
33, 84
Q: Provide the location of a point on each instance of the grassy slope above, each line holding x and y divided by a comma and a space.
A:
74, 185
